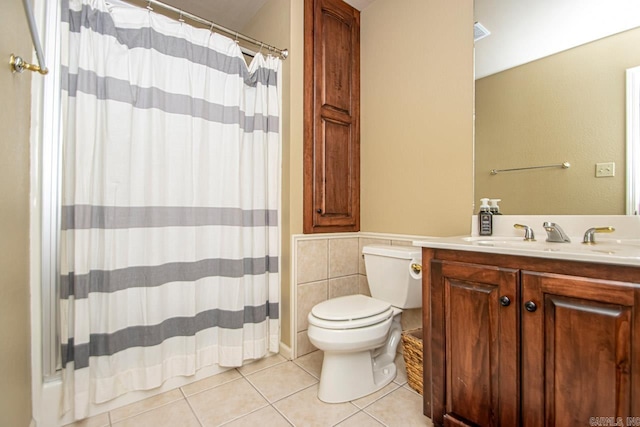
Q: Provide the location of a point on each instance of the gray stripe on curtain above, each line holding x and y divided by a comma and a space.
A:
106, 281
109, 88
147, 38
80, 217
147, 336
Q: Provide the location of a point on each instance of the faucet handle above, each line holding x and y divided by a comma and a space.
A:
528, 232
589, 235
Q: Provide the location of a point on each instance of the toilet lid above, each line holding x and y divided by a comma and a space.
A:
351, 324
350, 312
349, 308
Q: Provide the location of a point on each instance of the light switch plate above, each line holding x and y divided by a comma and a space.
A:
605, 169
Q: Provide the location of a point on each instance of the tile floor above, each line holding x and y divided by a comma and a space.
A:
269, 392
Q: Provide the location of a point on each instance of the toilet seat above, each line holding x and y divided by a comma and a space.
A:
350, 312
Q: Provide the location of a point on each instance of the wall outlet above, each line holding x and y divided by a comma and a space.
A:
605, 169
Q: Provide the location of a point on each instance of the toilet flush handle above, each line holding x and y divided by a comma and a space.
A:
417, 268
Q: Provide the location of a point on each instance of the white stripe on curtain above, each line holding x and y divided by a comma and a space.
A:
170, 219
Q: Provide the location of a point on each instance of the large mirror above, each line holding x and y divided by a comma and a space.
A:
550, 89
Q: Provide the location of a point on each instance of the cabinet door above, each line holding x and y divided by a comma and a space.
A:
576, 349
475, 343
332, 117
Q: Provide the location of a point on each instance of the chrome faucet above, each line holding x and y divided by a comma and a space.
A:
555, 233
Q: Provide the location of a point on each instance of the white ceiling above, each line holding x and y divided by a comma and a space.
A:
234, 14
359, 4
526, 30
521, 30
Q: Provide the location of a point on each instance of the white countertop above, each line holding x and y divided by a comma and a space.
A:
621, 247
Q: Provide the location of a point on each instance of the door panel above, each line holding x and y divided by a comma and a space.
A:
337, 170
478, 369
471, 334
576, 349
336, 55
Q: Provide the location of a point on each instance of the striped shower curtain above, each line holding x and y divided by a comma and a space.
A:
171, 189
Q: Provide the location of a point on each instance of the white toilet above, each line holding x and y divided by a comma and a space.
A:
359, 334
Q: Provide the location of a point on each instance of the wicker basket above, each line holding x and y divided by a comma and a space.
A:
412, 351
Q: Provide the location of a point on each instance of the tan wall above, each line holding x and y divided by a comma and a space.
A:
280, 22
296, 59
408, 162
416, 118
566, 107
15, 376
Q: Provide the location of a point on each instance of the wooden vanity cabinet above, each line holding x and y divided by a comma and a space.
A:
562, 349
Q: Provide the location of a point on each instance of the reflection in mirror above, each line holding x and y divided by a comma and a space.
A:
633, 141
568, 106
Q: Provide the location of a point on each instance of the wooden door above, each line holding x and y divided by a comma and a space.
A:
577, 355
332, 117
474, 315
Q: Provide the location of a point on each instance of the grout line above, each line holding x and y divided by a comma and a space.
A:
146, 410
285, 397
344, 275
305, 369
193, 411
290, 394
272, 404
267, 403
244, 415
208, 388
256, 389
262, 369
328, 267
380, 397
348, 416
361, 411
241, 378
182, 392
375, 418
284, 416
243, 375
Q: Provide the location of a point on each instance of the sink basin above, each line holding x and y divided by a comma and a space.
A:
618, 247
493, 240
628, 242
621, 247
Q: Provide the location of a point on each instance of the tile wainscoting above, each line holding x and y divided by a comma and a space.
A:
331, 265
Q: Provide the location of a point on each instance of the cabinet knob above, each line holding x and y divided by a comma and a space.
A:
319, 210
505, 301
530, 306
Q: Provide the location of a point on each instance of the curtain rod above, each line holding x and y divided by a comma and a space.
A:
16, 62
284, 53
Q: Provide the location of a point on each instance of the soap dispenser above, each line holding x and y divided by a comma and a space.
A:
493, 206
485, 218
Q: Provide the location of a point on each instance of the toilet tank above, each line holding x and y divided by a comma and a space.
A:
390, 277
